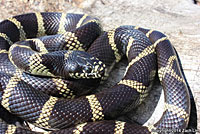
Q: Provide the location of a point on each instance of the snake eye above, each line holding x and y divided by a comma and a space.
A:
87, 69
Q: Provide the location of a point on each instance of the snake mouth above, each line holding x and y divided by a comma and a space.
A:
85, 75
96, 71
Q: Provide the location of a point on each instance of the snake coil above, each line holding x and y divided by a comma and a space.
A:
37, 66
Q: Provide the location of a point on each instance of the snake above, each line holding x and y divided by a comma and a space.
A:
51, 61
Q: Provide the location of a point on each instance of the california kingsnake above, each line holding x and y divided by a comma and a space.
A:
146, 51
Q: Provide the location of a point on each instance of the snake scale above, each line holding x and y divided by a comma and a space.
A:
53, 95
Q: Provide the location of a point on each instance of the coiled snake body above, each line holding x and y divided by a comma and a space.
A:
22, 90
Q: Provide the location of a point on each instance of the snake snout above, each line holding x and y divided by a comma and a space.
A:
98, 68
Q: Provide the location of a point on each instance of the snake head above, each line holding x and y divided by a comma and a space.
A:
79, 64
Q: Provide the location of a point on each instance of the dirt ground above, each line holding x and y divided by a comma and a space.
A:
179, 20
